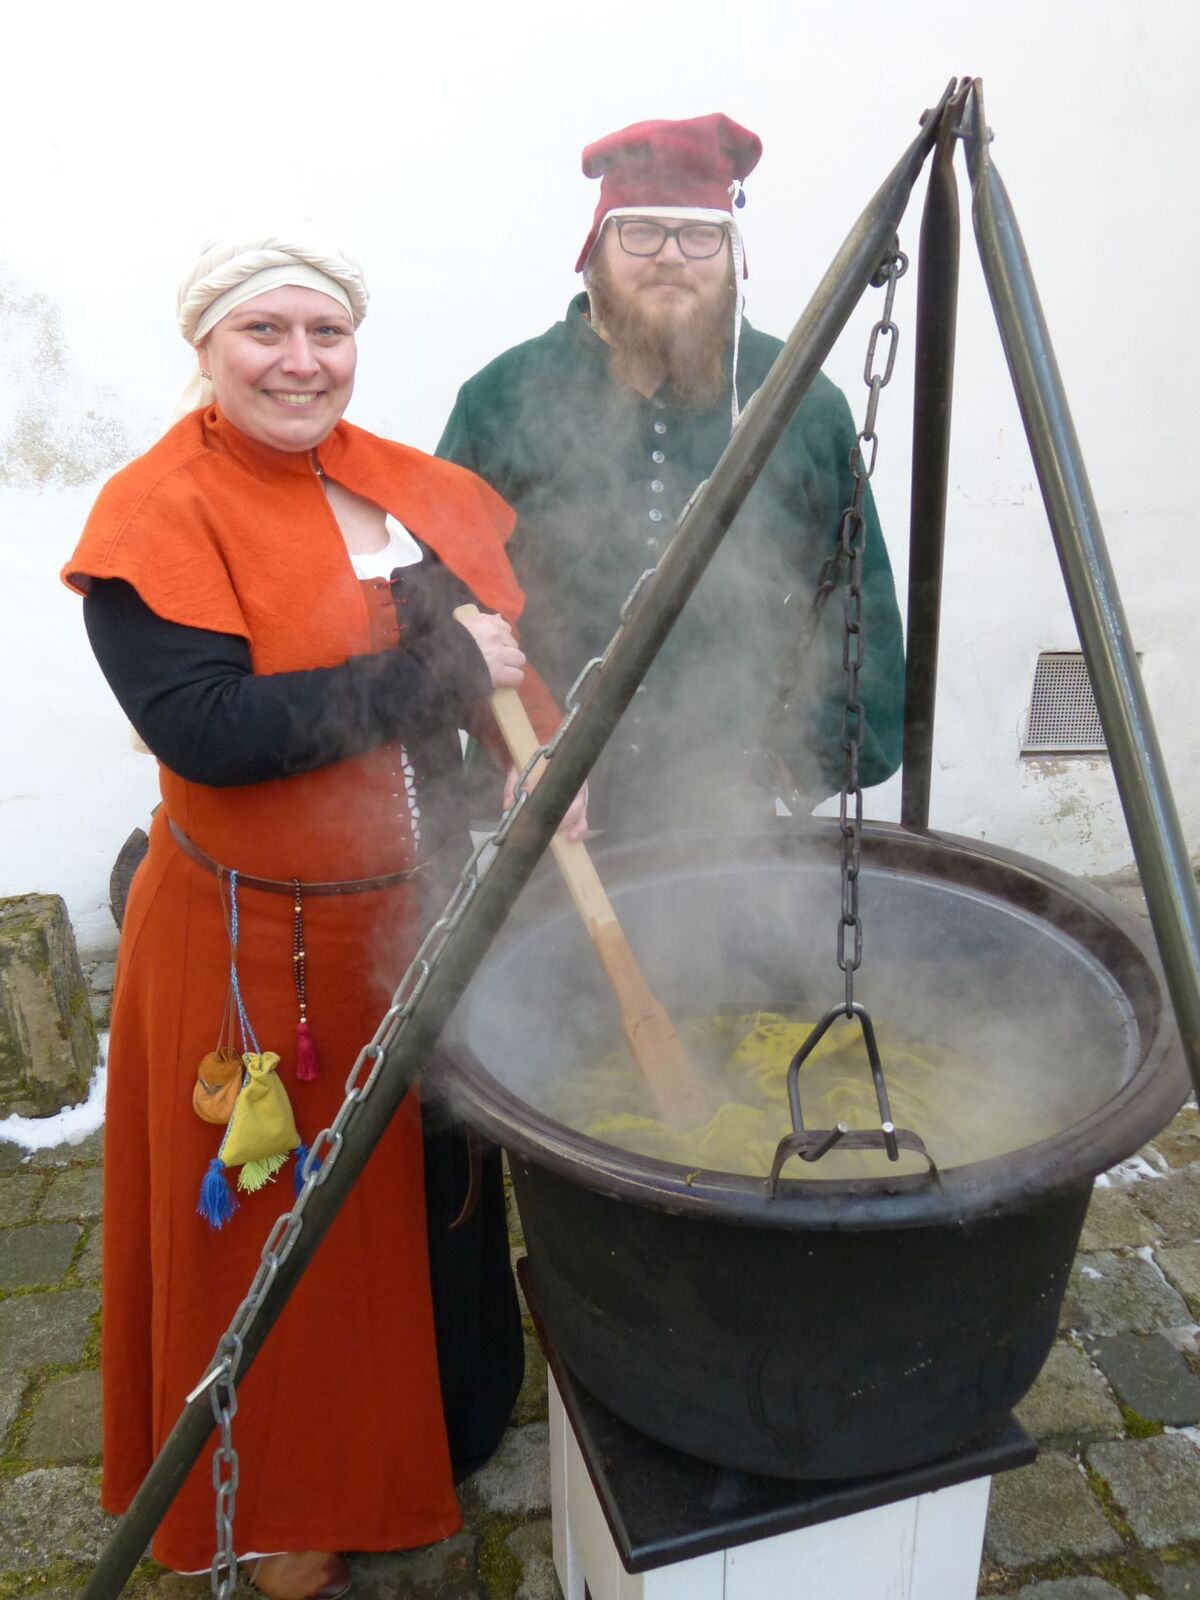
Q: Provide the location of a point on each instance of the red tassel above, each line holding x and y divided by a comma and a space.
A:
307, 1065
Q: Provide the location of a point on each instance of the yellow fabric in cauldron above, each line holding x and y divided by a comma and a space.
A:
926, 1090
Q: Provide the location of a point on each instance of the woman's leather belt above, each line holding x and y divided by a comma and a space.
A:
281, 886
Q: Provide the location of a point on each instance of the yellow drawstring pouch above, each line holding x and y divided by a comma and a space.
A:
262, 1130
259, 1138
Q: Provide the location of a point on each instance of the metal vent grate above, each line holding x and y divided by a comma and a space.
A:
1062, 710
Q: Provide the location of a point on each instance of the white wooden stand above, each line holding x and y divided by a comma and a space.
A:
926, 1547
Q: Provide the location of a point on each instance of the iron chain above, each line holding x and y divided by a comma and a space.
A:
852, 536
221, 1377
782, 782
225, 1468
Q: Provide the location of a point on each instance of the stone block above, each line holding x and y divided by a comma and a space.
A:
1179, 1142
66, 1420
12, 1392
1156, 1483
166, 1585
533, 1548
1180, 1581
99, 976
1150, 1376
61, 1591
11, 1155
1110, 1294
1113, 1222
38, 1254
90, 1148
1045, 1511
445, 1570
1181, 1264
77, 1192
1070, 1403
1174, 1203
1070, 1589
18, 1194
516, 1481
51, 1514
87, 1268
47, 1036
41, 1329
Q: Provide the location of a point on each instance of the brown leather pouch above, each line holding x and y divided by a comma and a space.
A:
218, 1080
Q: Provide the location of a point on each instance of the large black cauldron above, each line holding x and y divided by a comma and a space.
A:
845, 1327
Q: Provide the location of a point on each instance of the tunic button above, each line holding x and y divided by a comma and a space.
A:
656, 485
655, 515
651, 544
634, 750
660, 426
657, 457
641, 689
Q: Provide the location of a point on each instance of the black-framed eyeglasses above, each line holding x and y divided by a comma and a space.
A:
696, 240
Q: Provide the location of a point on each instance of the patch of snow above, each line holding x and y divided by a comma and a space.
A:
1185, 1339
1090, 1272
1192, 1435
72, 1125
1130, 1171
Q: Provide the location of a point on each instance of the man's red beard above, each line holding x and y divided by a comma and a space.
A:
687, 347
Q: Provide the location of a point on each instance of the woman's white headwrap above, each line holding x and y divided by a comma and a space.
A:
231, 270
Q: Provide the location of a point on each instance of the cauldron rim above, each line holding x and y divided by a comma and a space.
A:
1018, 1180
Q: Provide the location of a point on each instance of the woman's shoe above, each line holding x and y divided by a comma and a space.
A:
300, 1575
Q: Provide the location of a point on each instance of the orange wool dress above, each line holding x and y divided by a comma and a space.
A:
339, 1429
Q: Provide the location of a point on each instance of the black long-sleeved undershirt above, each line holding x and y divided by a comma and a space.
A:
196, 701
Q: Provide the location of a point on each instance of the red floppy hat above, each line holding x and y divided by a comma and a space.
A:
699, 161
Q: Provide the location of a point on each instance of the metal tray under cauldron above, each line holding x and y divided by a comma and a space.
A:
846, 1326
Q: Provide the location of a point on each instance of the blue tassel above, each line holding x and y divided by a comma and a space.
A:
217, 1200
299, 1175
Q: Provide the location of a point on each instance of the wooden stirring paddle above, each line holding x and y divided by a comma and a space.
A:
669, 1075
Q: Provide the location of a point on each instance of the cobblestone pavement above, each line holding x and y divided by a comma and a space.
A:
1111, 1507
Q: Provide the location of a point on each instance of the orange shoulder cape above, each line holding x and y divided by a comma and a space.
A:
196, 524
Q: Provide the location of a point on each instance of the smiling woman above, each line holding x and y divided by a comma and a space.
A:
269, 592
283, 365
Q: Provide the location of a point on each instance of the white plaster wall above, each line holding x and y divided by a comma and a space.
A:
442, 144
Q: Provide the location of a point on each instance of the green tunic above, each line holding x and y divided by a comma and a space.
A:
598, 475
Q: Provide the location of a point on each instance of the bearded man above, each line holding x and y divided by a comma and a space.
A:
599, 430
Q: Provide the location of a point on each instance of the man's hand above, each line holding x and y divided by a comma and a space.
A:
574, 825
498, 647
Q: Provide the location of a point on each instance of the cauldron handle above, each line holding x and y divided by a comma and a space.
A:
811, 1145
881, 1094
